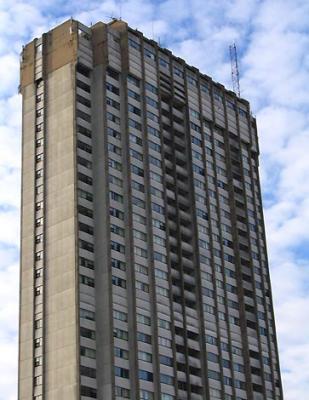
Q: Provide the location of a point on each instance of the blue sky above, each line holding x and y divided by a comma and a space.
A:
272, 37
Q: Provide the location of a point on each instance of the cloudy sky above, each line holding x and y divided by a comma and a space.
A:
272, 38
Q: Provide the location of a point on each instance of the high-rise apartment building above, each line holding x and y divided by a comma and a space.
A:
144, 270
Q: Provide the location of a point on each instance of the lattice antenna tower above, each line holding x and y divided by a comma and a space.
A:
234, 69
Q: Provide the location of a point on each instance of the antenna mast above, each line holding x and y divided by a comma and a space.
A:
234, 69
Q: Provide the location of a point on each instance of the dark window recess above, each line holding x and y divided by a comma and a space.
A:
85, 211
84, 146
86, 228
84, 131
83, 70
112, 73
88, 392
84, 262
87, 371
86, 245
85, 280
112, 88
83, 86
85, 163
84, 178
85, 195
83, 100
87, 333
84, 116
116, 213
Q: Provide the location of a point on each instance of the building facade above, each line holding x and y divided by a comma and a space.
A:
144, 270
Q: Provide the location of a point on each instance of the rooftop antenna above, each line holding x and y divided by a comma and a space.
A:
234, 69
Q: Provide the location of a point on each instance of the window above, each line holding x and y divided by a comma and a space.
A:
158, 224
139, 235
159, 257
167, 379
83, 244
178, 72
140, 252
83, 194
113, 133
155, 161
83, 100
86, 314
156, 177
143, 319
141, 269
116, 181
163, 62
112, 88
154, 146
136, 154
122, 392
87, 371
162, 323
84, 178
138, 202
153, 131
114, 149
136, 170
112, 73
84, 262
114, 212
122, 372
117, 230
134, 124
116, 281
166, 360
87, 333
152, 102
116, 197
83, 86
84, 116
151, 88
113, 103
149, 54
164, 341
134, 95
117, 247
114, 164
162, 291
121, 316
134, 109
133, 80
143, 337
118, 264
152, 116
121, 353
138, 186
157, 208
85, 163
142, 286
86, 280
120, 334
145, 375
145, 395
87, 352
144, 356
113, 118
37, 380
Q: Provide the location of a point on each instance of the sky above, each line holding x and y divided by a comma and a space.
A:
272, 38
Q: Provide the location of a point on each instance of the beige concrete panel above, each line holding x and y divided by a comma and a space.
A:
27, 244
60, 295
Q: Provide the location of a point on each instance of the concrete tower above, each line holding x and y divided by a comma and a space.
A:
144, 271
